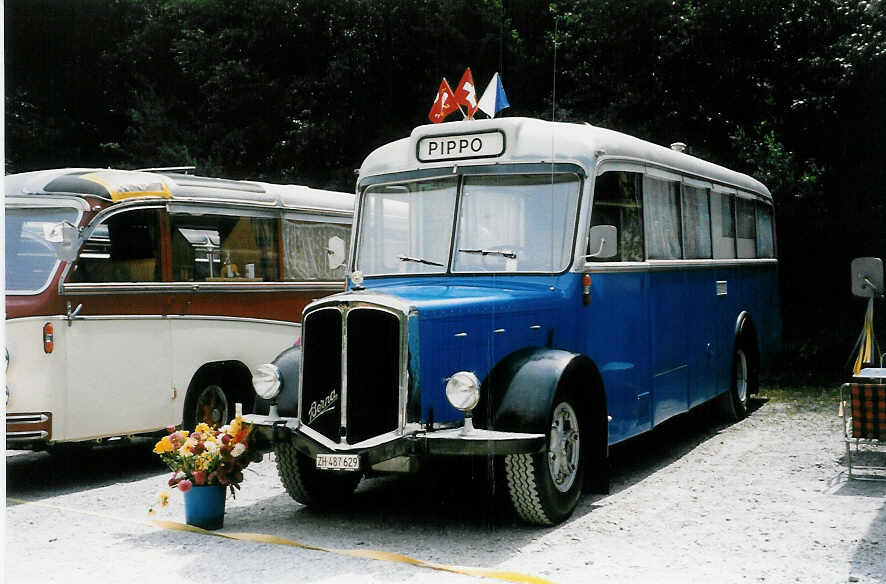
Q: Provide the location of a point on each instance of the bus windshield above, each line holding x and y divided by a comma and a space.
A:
505, 223
30, 256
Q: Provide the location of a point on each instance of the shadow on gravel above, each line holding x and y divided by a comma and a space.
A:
445, 515
633, 460
37, 475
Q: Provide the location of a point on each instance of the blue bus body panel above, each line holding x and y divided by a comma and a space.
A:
662, 340
470, 324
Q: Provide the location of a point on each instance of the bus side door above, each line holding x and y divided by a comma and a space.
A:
119, 350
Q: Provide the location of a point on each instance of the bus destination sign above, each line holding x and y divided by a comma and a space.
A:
461, 146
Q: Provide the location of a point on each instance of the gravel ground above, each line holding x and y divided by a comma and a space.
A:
764, 500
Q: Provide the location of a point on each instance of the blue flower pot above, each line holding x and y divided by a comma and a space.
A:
205, 506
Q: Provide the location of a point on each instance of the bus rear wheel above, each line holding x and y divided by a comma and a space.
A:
210, 404
735, 401
544, 488
309, 486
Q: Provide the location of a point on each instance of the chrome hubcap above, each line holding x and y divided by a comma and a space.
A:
564, 447
741, 375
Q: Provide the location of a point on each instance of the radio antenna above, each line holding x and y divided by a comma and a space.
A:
501, 35
554, 88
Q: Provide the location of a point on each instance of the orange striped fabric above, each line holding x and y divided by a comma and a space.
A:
868, 411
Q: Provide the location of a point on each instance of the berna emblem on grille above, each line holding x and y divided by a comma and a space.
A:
318, 408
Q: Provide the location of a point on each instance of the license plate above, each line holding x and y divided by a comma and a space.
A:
338, 462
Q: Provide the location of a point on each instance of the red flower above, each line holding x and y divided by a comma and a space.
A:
185, 485
199, 477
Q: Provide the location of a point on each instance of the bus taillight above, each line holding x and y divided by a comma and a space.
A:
48, 341
586, 289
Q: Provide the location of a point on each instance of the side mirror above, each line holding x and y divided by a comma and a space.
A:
335, 252
67, 236
867, 277
603, 239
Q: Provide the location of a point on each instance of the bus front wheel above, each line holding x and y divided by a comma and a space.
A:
309, 486
544, 488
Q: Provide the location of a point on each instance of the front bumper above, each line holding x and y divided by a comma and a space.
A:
27, 428
267, 431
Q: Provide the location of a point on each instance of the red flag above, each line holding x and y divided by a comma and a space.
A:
466, 93
444, 104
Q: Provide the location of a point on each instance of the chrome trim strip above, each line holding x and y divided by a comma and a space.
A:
81, 289
672, 265
30, 435
343, 423
26, 418
671, 370
364, 298
51, 317
203, 317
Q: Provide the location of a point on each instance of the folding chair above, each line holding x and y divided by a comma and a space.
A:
863, 407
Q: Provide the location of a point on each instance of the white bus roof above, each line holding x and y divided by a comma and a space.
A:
528, 140
126, 185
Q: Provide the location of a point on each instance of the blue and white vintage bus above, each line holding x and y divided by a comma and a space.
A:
531, 291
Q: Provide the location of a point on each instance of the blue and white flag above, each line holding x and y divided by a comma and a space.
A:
494, 99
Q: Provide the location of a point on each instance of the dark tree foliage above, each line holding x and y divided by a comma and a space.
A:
302, 90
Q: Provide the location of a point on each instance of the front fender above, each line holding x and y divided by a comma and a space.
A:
518, 394
288, 362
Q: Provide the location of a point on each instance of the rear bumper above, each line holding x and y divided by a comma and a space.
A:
415, 442
23, 429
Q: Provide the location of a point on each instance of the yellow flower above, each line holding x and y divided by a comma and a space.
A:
203, 461
204, 429
163, 497
164, 445
236, 426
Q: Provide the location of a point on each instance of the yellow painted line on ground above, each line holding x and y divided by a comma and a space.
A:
505, 576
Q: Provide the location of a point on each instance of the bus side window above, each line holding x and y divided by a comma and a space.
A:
765, 237
224, 247
125, 248
696, 223
745, 228
723, 225
307, 247
618, 202
661, 210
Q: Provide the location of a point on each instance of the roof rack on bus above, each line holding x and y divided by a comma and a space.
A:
182, 169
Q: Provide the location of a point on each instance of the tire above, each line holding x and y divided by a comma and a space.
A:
211, 404
545, 487
309, 486
735, 401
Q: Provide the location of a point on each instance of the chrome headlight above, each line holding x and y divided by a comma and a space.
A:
267, 381
463, 391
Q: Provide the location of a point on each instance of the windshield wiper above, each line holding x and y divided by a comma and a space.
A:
404, 258
507, 253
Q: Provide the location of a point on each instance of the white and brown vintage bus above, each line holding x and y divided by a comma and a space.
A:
136, 300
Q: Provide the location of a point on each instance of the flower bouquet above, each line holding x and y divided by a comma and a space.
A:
207, 456
204, 464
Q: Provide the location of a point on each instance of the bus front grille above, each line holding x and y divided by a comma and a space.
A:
364, 343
